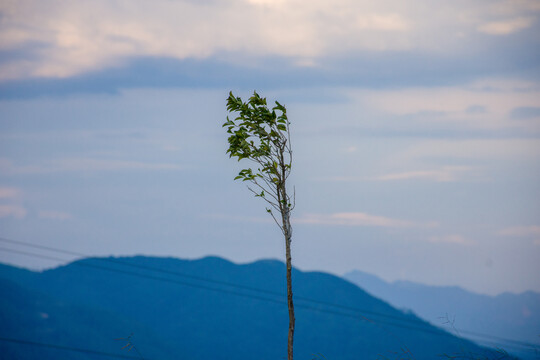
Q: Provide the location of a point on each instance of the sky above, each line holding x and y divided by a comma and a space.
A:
415, 129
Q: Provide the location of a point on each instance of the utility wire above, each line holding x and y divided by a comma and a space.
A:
357, 310
427, 329
510, 343
219, 282
358, 317
316, 309
68, 348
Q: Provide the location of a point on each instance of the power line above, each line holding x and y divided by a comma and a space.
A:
67, 348
510, 343
219, 282
141, 266
423, 325
359, 311
151, 277
334, 312
358, 317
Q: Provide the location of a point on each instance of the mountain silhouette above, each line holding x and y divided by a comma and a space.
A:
509, 316
167, 308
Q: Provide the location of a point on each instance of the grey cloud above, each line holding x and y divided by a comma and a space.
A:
476, 109
27, 52
525, 112
365, 70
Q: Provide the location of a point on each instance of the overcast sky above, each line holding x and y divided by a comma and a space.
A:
415, 128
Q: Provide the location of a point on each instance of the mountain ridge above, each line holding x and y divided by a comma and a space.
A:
239, 309
506, 315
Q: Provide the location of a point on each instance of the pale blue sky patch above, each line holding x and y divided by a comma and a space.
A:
414, 128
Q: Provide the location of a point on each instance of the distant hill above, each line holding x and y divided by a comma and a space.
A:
202, 309
511, 316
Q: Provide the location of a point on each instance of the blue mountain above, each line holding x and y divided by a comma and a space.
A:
167, 308
506, 316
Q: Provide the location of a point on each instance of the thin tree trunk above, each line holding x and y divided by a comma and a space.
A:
287, 232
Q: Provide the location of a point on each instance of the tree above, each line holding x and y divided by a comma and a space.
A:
262, 136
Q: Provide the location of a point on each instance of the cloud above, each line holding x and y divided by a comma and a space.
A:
521, 231
72, 41
61, 39
9, 193
476, 109
269, 3
524, 232
525, 112
386, 22
451, 239
239, 218
530, 232
479, 105
55, 215
11, 210
445, 174
16, 211
357, 219
507, 26
480, 153
513, 7
365, 70
87, 165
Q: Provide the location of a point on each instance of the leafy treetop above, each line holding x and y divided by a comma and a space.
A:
261, 135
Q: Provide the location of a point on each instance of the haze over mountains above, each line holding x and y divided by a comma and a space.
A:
203, 309
509, 316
